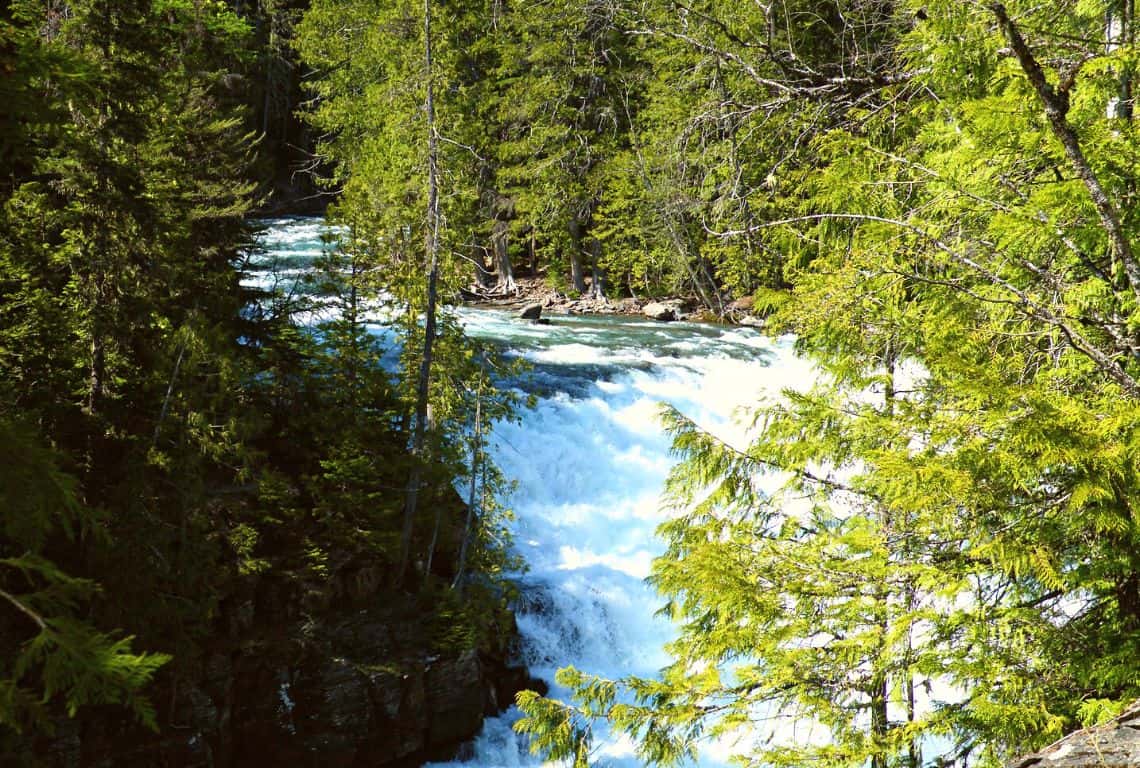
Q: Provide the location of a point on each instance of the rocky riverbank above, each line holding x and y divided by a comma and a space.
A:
534, 299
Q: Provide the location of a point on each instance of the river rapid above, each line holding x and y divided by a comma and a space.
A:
590, 460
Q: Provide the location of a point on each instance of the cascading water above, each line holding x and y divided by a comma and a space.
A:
590, 460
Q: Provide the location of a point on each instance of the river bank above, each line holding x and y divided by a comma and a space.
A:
534, 298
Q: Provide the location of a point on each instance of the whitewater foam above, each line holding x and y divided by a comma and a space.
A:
590, 460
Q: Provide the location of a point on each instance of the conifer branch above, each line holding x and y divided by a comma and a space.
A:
1029, 306
39, 620
1056, 103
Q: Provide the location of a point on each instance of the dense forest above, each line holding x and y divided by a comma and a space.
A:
938, 199
197, 475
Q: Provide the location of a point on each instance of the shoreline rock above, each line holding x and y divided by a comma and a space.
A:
532, 311
1116, 744
661, 311
533, 295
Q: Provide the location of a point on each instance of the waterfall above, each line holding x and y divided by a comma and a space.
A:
590, 460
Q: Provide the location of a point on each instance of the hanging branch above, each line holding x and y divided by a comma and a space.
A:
22, 608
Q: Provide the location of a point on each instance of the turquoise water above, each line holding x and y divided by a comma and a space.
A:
590, 461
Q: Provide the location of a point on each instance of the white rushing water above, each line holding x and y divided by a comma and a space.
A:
590, 460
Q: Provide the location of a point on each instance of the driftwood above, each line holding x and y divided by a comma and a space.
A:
497, 291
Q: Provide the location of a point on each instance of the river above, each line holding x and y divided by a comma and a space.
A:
590, 460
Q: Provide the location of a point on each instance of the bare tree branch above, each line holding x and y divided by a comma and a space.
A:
1056, 103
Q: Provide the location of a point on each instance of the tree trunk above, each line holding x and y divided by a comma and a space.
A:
484, 277
1056, 103
503, 271
577, 278
597, 274
1119, 22
914, 753
98, 371
879, 715
472, 506
169, 393
880, 667
532, 252
434, 539
432, 246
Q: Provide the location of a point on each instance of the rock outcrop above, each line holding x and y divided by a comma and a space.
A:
1116, 744
348, 695
339, 672
660, 311
532, 311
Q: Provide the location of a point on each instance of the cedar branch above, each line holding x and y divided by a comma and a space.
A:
1056, 103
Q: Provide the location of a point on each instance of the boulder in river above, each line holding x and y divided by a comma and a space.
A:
531, 311
659, 311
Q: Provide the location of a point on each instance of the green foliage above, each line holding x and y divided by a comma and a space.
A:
61, 656
950, 508
171, 440
370, 103
120, 222
932, 544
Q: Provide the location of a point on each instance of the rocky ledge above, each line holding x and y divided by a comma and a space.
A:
348, 691
1116, 744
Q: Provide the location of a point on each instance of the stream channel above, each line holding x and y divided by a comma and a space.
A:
590, 460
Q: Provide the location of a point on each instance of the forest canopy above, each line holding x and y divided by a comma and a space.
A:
939, 199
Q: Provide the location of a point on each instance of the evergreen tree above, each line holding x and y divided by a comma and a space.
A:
62, 656
568, 91
975, 534
412, 199
120, 225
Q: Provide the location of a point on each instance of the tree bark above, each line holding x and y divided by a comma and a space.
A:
484, 277
880, 669
532, 252
503, 270
577, 278
98, 371
1119, 24
597, 274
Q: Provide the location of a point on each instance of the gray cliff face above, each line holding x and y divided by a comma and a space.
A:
1115, 744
